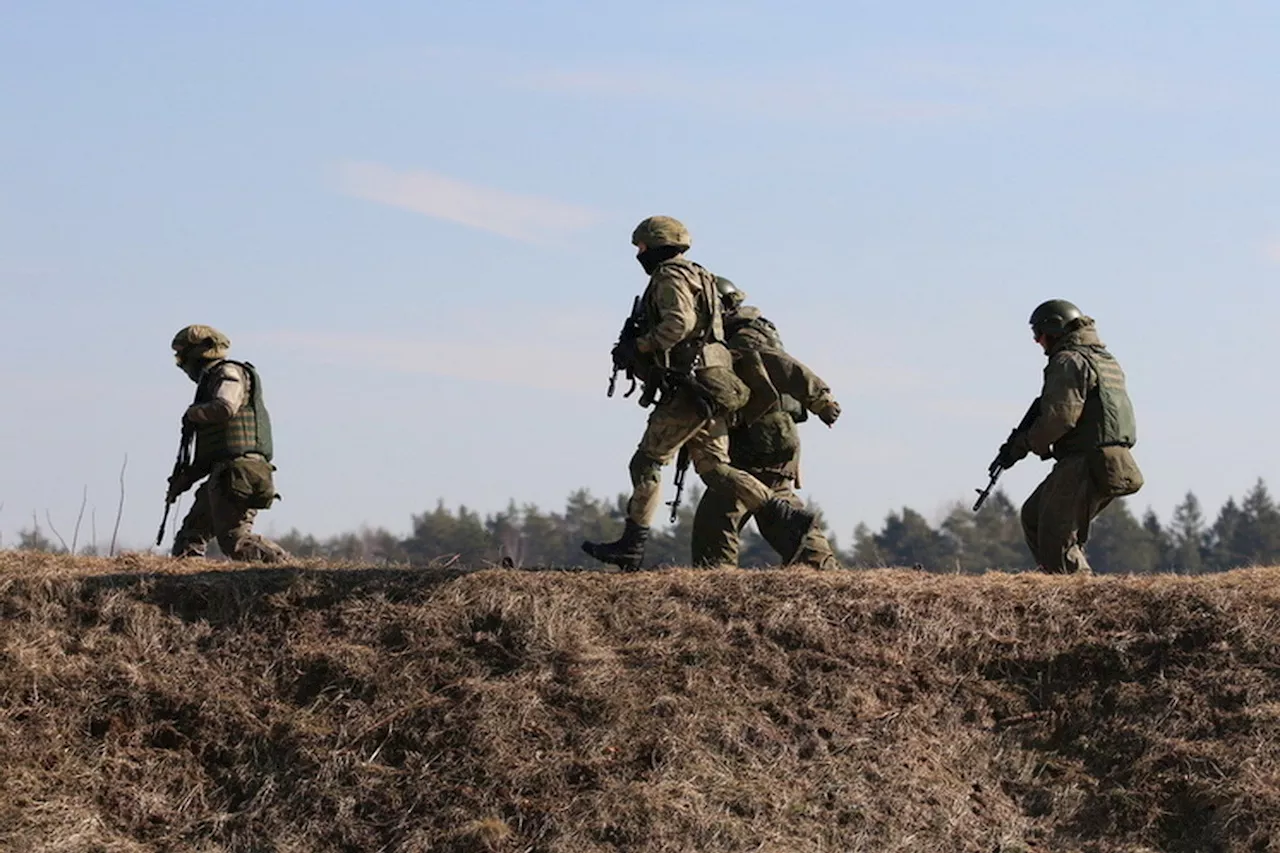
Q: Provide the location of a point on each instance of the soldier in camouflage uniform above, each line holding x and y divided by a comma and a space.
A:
680, 350
232, 448
1086, 423
769, 447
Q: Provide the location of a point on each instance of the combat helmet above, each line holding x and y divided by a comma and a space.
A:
730, 296
199, 342
1054, 318
659, 231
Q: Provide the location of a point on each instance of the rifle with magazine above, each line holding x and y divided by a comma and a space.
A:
180, 466
1001, 462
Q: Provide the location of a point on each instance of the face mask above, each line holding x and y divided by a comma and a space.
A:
193, 367
650, 258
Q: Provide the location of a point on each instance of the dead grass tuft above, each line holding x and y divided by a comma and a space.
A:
149, 704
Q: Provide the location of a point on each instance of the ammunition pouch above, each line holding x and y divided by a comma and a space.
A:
721, 387
1114, 471
250, 483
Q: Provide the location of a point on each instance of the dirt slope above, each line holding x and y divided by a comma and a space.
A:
153, 705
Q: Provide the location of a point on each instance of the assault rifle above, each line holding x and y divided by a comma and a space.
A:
682, 469
180, 465
659, 379
630, 331
997, 465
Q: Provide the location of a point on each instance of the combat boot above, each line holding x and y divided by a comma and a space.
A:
788, 525
626, 553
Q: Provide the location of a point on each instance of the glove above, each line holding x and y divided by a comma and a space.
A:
626, 354
1013, 451
828, 411
178, 483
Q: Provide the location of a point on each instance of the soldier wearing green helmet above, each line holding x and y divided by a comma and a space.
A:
768, 447
1083, 420
233, 448
679, 353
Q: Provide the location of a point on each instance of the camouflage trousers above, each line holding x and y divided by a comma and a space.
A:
720, 517
1056, 517
216, 514
671, 426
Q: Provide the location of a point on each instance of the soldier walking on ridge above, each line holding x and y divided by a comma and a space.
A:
232, 432
1084, 420
768, 448
675, 346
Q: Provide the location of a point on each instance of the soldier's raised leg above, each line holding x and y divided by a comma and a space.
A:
815, 549
792, 524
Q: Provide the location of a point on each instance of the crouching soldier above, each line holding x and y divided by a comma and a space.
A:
232, 433
1084, 420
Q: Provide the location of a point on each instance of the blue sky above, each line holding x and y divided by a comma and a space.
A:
414, 218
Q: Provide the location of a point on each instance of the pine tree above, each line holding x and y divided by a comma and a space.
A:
1188, 536
1257, 539
1161, 539
989, 539
1222, 538
907, 539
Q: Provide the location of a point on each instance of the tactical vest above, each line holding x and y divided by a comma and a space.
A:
709, 330
248, 431
1107, 419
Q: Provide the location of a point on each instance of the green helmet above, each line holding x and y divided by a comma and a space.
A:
199, 342
1054, 317
659, 231
730, 296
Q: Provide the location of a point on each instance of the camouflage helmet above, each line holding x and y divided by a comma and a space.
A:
659, 231
200, 341
730, 296
1054, 317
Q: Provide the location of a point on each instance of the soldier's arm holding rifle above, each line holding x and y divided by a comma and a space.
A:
1014, 449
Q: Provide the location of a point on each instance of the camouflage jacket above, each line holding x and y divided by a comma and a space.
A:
683, 323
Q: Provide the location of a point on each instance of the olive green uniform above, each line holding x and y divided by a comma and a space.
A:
233, 446
1086, 423
768, 448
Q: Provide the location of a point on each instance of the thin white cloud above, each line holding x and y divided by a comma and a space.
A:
520, 217
1272, 251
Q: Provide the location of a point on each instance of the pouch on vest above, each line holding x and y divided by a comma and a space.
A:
1114, 471
722, 385
250, 482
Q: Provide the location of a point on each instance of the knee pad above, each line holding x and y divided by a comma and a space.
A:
645, 469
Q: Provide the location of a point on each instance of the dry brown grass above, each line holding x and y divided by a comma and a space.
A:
155, 705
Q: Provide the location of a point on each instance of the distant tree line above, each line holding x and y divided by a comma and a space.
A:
1245, 533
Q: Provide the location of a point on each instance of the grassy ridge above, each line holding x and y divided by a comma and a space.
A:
154, 705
